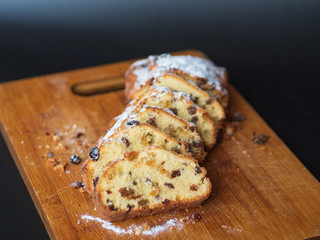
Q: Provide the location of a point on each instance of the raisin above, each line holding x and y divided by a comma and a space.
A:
109, 192
152, 121
201, 81
174, 110
158, 197
196, 144
209, 101
202, 179
135, 196
198, 170
166, 202
196, 99
95, 181
194, 119
77, 184
194, 187
50, 154
149, 137
126, 141
148, 180
192, 128
130, 207
112, 208
79, 135
260, 139
134, 182
94, 153
192, 110
176, 150
143, 202
195, 217
132, 122
125, 192
130, 173
75, 159
176, 173
170, 185
239, 117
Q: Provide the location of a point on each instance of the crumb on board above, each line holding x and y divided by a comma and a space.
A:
194, 217
56, 138
146, 226
59, 168
77, 184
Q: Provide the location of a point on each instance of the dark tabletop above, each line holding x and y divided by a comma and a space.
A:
270, 48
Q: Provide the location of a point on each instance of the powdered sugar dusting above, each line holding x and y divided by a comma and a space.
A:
134, 229
194, 66
231, 229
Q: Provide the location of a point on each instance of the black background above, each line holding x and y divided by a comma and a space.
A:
270, 48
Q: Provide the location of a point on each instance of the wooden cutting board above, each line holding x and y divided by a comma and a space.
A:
259, 191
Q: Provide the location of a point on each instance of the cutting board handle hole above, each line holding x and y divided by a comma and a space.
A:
98, 86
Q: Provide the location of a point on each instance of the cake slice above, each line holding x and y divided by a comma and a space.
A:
182, 106
198, 96
148, 182
202, 72
166, 121
135, 136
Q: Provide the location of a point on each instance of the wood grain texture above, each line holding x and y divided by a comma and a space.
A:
257, 193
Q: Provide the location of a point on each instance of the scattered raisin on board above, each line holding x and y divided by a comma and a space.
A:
260, 138
75, 159
195, 217
239, 117
50, 154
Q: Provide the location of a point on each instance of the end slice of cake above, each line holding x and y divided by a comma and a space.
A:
148, 182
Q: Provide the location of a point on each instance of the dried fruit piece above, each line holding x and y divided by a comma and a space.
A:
194, 119
192, 110
170, 185
174, 110
126, 141
125, 192
195, 217
94, 153
198, 170
95, 181
143, 202
152, 121
239, 117
176, 173
75, 159
166, 202
260, 139
194, 187
132, 122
